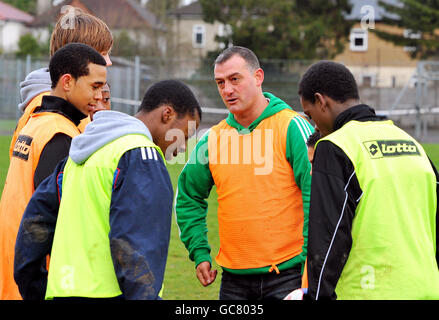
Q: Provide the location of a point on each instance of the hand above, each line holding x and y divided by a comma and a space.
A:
296, 294
205, 275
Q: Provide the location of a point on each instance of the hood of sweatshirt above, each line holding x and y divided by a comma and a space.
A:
275, 105
106, 127
36, 82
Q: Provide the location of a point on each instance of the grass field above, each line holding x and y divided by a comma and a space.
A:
180, 280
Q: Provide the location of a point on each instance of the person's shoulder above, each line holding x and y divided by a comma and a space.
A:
300, 127
220, 125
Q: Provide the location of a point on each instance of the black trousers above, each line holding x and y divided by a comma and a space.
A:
260, 286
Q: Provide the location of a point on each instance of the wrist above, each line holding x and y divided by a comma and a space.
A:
201, 255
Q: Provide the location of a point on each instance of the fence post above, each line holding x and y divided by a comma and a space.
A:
129, 88
28, 64
418, 107
136, 78
18, 97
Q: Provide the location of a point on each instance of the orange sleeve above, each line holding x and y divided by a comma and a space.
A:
305, 275
32, 105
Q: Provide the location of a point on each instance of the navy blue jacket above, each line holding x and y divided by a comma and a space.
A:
140, 222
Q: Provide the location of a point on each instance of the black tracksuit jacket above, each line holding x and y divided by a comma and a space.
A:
333, 172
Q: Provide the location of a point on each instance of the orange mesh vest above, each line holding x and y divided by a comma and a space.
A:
83, 123
260, 211
33, 104
19, 187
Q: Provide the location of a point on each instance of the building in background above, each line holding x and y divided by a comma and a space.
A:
122, 16
13, 24
193, 36
374, 61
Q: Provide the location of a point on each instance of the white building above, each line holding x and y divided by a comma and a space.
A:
13, 24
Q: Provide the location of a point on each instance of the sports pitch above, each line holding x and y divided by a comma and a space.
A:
180, 281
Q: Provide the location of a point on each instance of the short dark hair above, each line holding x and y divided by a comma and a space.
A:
313, 138
249, 56
73, 59
329, 78
171, 92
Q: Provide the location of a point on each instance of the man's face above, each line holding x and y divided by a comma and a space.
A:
178, 131
86, 91
106, 100
315, 112
237, 84
103, 104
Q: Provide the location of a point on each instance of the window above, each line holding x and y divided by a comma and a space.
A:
358, 40
198, 36
409, 48
368, 80
410, 34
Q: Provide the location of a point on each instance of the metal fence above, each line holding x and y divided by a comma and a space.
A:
130, 77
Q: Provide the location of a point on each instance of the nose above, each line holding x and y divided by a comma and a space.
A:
108, 60
98, 95
228, 88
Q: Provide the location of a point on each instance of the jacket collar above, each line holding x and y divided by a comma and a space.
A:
361, 112
274, 106
61, 106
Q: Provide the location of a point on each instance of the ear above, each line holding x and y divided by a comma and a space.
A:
259, 75
168, 113
66, 82
321, 101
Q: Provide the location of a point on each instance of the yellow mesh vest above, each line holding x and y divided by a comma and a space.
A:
393, 231
81, 263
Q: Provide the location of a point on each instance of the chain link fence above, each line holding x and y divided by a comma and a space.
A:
129, 79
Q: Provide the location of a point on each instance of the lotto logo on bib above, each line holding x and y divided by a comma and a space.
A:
21, 147
391, 148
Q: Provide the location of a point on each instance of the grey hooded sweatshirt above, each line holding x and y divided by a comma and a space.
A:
106, 127
139, 215
36, 82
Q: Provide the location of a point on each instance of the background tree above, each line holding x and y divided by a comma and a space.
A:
283, 29
28, 44
28, 6
161, 9
124, 46
421, 19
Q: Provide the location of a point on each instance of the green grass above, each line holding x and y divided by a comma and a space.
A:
433, 152
180, 280
4, 159
7, 126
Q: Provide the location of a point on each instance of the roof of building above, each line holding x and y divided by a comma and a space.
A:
192, 9
10, 13
117, 14
360, 8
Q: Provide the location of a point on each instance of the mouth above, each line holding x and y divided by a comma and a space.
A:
232, 101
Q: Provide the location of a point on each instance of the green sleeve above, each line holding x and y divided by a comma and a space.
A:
297, 155
193, 188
